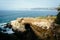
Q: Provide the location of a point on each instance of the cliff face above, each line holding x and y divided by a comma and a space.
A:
40, 27
16, 25
19, 23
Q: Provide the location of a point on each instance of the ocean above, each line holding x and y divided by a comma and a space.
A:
7, 16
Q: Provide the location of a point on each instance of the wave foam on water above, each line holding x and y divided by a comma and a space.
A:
7, 30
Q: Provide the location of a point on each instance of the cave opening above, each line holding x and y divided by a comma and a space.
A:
27, 26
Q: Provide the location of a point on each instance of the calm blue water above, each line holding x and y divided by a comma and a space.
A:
6, 16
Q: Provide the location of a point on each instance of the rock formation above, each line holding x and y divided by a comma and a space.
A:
40, 28
19, 24
35, 29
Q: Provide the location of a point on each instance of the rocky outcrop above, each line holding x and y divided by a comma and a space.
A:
41, 28
19, 23
35, 28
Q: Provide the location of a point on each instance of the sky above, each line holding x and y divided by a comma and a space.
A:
21, 4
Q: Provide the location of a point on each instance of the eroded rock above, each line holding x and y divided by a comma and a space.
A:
40, 27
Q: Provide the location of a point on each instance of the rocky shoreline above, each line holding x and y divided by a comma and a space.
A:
31, 29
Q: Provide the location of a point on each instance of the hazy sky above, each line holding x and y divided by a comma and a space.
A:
17, 4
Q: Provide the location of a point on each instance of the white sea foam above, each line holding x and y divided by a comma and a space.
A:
2, 25
9, 31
